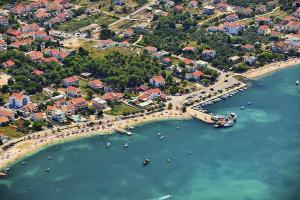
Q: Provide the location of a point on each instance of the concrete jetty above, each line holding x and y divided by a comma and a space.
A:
201, 116
122, 131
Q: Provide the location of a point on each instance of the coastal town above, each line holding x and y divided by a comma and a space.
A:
71, 69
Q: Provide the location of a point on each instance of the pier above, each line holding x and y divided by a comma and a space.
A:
207, 118
122, 131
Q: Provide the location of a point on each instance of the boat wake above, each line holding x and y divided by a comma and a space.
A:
163, 197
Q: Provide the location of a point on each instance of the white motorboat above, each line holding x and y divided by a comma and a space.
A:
297, 82
108, 145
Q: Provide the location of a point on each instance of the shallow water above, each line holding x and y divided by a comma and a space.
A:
257, 159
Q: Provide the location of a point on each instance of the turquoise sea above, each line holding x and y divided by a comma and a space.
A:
257, 159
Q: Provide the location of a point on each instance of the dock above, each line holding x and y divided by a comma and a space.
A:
204, 117
122, 131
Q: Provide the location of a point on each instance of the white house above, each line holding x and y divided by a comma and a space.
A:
58, 115
99, 103
18, 100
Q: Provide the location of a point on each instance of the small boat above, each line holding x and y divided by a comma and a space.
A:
249, 103
24, 163
47, 170
159, 134
6, 170
131, 127
242, 108
2, 174
190, 152
297, 82
178, 127
125, 145
162, 137
229, 123
146, 162
168, 160
49, 157
164, 197
108, 145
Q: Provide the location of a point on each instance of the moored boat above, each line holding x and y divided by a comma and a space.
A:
297, 82
146, 162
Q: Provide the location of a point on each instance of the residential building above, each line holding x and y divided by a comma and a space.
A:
263, 30
233, 28
263, 20
98, 103
79, 103
35, 55
293, 40
72, 80
30, 28
3, 45
157, 81
69, 110
250, 60
292, 26
58, 115
112, 96
248, 47
31, 108
73, 91
3, 120
197, 75
18, 100
7, 113
151, 49
278, 47
208, 53
102, 44
96, 84
8, 64
3, 21
209, 10
39, 116
231, 18
150, 94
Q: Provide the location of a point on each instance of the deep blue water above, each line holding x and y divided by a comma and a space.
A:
257, 159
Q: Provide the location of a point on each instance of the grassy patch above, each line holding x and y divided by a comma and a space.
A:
94, 52
10, 132
120, 108
39, 98
83, 85
75, 24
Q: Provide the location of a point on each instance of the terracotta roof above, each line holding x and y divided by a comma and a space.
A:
71, 79
73, 89
78, 100
9, 63
197, 73
18, 96
3, 119
187, 61
294, 24
158, 79
38, 72
109, 96
264, 27
39, 115
7, 113
150, 48
96, 82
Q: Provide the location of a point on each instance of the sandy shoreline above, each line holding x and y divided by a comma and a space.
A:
47, 138
26, 148
269, 68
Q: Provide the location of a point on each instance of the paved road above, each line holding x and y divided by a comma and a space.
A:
152, 2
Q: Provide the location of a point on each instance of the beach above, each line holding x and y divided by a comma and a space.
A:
45, 138
269, 68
